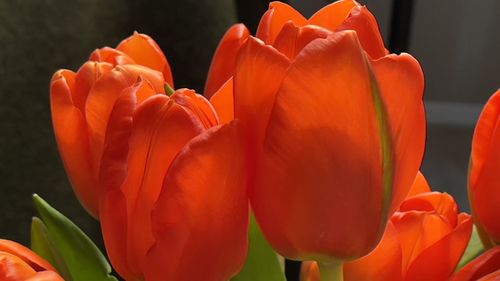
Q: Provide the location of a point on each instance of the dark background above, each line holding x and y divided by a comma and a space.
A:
457, 42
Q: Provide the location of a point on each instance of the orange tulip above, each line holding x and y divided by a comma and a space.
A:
18, 263
334, 129
424, 240
81, 104
175, 205
486, 267
484, 183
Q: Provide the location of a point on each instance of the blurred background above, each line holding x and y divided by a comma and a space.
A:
456, 41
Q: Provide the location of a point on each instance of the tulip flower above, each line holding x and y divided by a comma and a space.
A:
175, 205
334, 128
340, 15
486, 267
424, 240
81, 104
18, 263
484, 183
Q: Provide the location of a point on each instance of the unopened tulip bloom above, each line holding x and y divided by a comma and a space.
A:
18, 263
175, 205
484, 167
424, 240
340, 15
486, 267
81, 104
334, 128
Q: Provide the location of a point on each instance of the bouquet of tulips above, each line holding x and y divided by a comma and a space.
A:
306, 145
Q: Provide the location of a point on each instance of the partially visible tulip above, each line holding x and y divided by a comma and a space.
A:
486, 267
338, 16
424, 240
175, 205
484, 167
18, 263
82, 102
334, 138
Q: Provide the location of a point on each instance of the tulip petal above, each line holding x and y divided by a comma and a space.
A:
374, 266
28, 256
260, 69
111, 55
159, 130
446, 253
485, 160
72, 140
198, 105
99, 106
113, 168
494, 276
275, 18
417, 232
45, 276
102, 98
202, 213
420, 185
144, 50
442, 203
113, 220
487, 263
401, 83
333, 15
366, 26
322, 155
86, 76
485, 130
224, 59
292, 39
223, 102
13, 268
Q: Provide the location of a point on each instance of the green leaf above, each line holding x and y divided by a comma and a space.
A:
473, 250
80, 255
262, 262
41, 244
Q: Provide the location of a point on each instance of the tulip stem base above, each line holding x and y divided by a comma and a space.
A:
331, 271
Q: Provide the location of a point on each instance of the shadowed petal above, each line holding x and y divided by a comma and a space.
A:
401, 83
482, 266
374, 266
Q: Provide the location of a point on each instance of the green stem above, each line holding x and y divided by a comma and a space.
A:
331, 271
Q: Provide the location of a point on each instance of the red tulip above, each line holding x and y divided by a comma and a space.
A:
486, 267
18, 263
424, 240
334, 129
82, 102
175, 206
484, 182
